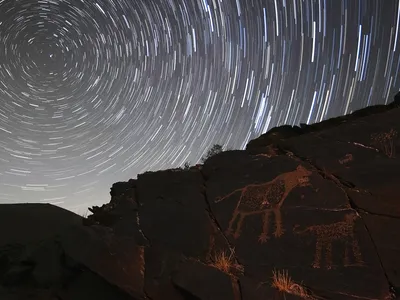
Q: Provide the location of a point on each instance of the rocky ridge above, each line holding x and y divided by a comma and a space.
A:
308, 212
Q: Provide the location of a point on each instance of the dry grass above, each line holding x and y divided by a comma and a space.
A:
225, 263
284, 283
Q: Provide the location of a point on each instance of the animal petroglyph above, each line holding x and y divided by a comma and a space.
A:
266, 198
385, 142
327, 234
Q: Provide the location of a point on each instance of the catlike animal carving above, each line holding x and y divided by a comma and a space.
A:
327, 234
265, 198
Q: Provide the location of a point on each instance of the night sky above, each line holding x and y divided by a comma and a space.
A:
96, 92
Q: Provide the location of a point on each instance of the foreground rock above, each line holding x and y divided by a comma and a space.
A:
307, 212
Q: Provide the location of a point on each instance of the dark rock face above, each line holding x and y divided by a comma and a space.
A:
307, 212
54, 259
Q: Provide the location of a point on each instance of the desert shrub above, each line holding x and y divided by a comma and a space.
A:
214, 150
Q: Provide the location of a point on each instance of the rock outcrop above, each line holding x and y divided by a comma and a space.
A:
308, 212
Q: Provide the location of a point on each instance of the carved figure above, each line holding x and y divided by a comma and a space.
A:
385, 142
265, 198
270, 151
327, 234
348, 158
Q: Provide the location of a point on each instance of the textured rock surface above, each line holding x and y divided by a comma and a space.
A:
317, 203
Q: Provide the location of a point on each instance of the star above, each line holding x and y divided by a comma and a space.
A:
95, 92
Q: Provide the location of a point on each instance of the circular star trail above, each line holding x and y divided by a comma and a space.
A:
96, 92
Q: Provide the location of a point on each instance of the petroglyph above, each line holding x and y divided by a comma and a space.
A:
347, 158
385, 142
265, 198
327, 234
269, 152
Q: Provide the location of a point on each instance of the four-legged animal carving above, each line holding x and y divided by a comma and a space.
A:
266, 198
327, 234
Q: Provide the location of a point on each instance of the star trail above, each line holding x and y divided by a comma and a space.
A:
96, 92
